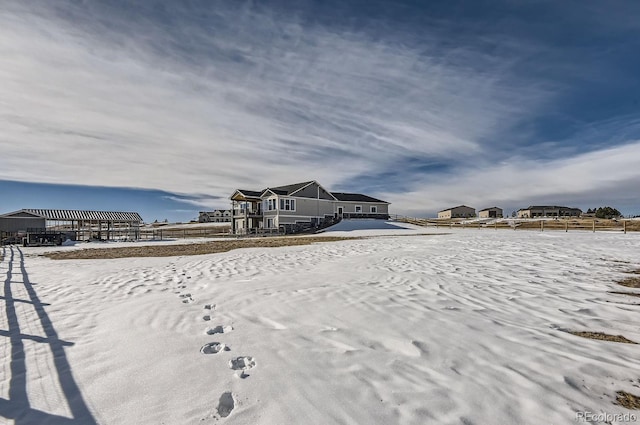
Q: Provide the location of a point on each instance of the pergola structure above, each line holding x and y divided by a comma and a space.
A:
77, 224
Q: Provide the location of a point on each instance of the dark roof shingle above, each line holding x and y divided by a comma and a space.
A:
355, 197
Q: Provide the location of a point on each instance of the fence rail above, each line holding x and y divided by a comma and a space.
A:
530, 224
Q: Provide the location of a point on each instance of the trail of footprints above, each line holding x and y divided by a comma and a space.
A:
240, 364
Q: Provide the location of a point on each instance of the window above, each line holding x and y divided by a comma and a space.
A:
374, 209
272, 204
287, 204
358, 208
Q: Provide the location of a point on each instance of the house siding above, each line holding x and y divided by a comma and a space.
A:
457, 212
350, 207
21, 223
311, 191
490, 213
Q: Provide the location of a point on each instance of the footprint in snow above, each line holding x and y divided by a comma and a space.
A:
186, 298
226, 404
206, 318
242, 363
219, 330
214, 348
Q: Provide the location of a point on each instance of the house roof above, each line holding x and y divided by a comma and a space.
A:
459, 206
249, 193
355, 197
290, 188
70, 215
548, 207
490, 208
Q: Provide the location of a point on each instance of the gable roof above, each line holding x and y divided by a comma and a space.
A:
246, 194
274, 191
21, 214
490, 208
355, 197
249, 192
459, 206
290, 188
293, 189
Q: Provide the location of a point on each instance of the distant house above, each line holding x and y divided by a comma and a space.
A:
215, 216
306, 203
461, 211
492, 212
548, 211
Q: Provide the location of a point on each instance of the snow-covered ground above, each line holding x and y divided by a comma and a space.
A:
187, 226
462, 327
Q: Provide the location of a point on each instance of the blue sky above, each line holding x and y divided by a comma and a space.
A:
166, 107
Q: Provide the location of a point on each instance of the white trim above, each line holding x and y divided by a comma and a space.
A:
282, 204
373, 209
262, 194
305, 186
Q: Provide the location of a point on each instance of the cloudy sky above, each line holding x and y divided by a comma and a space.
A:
166, 107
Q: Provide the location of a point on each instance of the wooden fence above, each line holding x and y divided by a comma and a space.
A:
566, 225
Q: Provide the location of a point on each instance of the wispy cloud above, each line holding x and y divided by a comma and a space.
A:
200, 201
585, 178
201, 100
201, 108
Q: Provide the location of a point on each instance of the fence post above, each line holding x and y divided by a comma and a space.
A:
594, 226
566, 226
542, 225
624, 226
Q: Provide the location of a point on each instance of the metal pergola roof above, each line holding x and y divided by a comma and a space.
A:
74, 215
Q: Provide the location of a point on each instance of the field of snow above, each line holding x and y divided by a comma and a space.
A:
182, 226
462, 327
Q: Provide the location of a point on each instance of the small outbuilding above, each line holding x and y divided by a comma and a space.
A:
461, 211
21, 221
492, 212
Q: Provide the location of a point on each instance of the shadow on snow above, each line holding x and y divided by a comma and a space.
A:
18, 407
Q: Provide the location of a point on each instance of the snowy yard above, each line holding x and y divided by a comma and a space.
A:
462, 327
